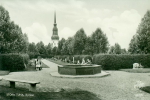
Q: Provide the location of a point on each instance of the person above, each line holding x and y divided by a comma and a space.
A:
38, 64
88, 61
83, 61
35, 63
78, 62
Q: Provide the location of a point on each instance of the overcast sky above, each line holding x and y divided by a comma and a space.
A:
118, 19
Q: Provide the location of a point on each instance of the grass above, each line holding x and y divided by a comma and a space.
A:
7, 93
146, 89
58, 62
20, 93
144, 70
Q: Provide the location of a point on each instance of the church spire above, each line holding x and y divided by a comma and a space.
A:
55, 30
55, 37
54, 17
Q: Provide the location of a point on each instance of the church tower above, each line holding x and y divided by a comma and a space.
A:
55, 37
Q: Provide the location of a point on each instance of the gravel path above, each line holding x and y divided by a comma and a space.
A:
118, 86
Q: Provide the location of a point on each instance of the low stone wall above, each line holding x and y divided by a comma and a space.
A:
4, 72
79, 69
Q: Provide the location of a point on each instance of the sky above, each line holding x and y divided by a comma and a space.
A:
118, 19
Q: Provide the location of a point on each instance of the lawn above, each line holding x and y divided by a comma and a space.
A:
118, 86
58, 62
7, 93
144, 70
21, 92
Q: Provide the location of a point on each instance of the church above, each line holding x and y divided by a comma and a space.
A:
55, 37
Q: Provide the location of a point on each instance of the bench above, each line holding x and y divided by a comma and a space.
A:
32, 83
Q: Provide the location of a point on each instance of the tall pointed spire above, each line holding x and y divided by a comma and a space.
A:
55, 17
55, 37
55, 30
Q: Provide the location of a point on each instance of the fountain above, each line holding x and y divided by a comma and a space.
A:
79, 69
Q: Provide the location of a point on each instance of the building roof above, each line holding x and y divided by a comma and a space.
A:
55, 37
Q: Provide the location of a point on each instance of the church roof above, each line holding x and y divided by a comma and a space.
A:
55, 37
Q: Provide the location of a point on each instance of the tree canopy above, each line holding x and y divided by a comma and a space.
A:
12, 39
79, 41
99, 41
140, 43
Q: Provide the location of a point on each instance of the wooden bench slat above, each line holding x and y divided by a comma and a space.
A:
23, 81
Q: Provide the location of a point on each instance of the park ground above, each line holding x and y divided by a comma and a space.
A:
119, 85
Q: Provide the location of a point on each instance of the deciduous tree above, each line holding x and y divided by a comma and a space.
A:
79, 41
100, 41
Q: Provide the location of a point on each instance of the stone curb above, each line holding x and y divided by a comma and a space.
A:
103, 74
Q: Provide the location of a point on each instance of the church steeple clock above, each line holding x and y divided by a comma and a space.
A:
55, 37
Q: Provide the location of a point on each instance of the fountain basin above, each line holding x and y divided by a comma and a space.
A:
79, 69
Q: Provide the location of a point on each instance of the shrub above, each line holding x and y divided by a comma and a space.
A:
115, 62
14, 62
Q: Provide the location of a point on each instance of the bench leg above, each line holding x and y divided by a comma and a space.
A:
32, 87
12, 84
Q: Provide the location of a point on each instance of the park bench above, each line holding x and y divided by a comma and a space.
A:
32, 83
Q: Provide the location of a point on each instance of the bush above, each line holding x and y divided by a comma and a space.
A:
115, 62
14, 62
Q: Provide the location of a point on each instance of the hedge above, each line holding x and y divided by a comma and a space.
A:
34, 55
115, 62
13, 62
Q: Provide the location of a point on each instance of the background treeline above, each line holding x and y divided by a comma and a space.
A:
97, 42
13, 40
81, 44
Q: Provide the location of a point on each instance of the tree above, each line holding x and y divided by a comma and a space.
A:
60, 45
141, 41
79, 41
41, 48
12, 40
144, 34
123, 51
70, 45
117, 48
32, 48
49, 49
133, 46
4, 23
23, 43
54, 51
89, 46
100, 41
112, 50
